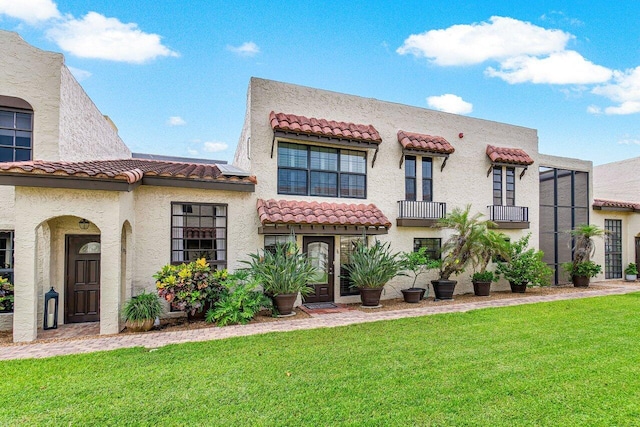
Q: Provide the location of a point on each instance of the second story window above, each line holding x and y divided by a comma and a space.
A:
410, 178
321, 171
16, 134
504, 182
427, 179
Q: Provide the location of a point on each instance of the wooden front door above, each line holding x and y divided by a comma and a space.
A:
638, 251
320, 252
82, 293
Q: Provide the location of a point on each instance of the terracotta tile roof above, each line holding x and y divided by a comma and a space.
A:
422, 142
514, 156
129, 170
323, 127
312, 213
601, 203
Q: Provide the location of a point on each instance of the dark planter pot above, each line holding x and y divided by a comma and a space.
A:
443, 289
284, 303
518, 288
481, 289
370, 296
413, 295
580, 281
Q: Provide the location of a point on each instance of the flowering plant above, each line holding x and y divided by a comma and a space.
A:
189, 287
6, 296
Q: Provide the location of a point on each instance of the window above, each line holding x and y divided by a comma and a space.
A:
432, 245
270, 241
321, 171
509, 186
199, 230
427, 179
410, 178
16, 133
347, 246
613, 249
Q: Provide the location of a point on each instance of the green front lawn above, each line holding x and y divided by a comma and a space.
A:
565, 363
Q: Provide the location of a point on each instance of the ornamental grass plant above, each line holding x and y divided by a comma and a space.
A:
372, 266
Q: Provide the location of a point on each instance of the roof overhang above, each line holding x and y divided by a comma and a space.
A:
333, 230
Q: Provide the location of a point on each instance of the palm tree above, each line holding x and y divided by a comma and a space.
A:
464, 245
584, 246
492, 244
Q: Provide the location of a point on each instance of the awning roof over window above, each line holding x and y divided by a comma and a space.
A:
615, 205
411, 141
301, 213
290, 123
122, 175
512, 156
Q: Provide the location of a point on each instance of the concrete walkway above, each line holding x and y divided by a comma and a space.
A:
160, 339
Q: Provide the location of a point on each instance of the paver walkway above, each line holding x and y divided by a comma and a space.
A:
160, 339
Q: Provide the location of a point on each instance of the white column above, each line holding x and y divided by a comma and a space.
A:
110, 276
25, 310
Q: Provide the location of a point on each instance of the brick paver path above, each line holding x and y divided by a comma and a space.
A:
159, 339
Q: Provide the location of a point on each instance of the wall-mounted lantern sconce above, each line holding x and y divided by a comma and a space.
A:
51, 309
84, 224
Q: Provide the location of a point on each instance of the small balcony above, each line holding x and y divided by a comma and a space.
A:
514, 217
415, 213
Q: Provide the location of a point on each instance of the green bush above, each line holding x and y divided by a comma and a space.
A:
525, 266
6, 296
585, 268
631, 269
372, 266
142, 307
239, 301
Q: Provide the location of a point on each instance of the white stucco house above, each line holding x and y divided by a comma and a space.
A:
319, 167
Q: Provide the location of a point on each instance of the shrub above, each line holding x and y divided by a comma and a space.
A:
631, 269
189, 287
525, 265
372, 266
485, 276
239, 301
6, 296
585, 268
142, 307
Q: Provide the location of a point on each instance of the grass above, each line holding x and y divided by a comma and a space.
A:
564, 363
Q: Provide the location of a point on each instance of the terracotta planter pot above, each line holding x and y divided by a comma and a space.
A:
370, 296
443, 289
580, 281
518, 288
413, 295
481, 289
284, 303
139, 325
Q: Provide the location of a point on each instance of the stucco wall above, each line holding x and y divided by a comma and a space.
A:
34, 75
85, 134
618, 180
464, 179
630, 229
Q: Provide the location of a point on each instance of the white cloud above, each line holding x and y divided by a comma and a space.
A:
30, 11
450, 103
214, 147
502, 38
629, 141
79, 74
624, 90
96, 36
594, 109
567, 67
245, 49
192, 152
176, 121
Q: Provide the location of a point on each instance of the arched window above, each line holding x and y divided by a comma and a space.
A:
16, 129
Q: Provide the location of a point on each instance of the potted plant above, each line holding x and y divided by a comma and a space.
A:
283, 273
416, 263
631, 272
141, 311
492, 244
6, 295
370, 268
524, 266
191, 287
460, 249
582, 272
583, 250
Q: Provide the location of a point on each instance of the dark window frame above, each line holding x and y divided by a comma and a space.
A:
613, 249
7, 268
342, 177
427, 181
217, 262
410, 171
25, 150
433, 245
504, 186
277, 239
347, 244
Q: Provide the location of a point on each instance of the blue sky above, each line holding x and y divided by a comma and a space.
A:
173, 75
